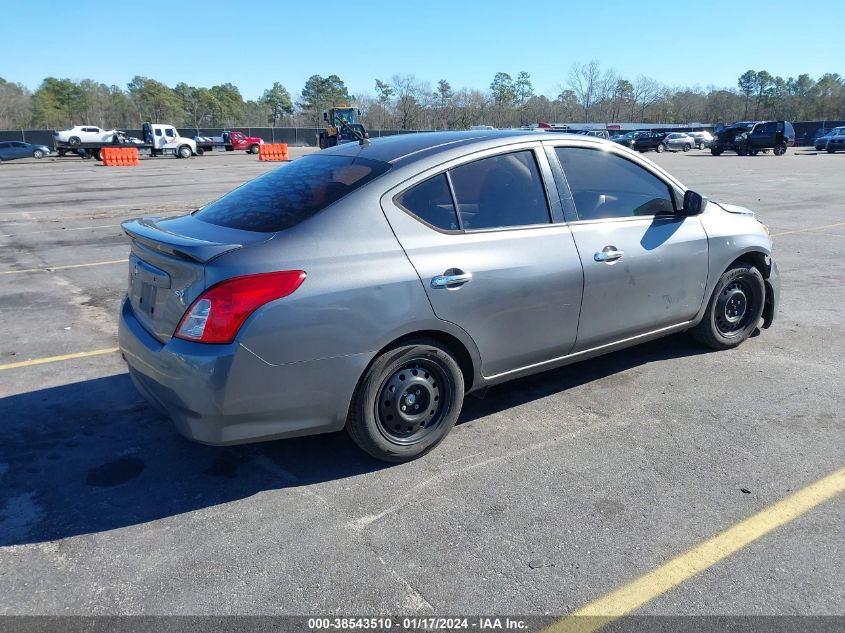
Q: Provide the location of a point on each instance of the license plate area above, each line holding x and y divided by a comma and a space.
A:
147, 299
144, 282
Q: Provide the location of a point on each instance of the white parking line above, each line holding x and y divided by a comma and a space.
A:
49, 269
76, 228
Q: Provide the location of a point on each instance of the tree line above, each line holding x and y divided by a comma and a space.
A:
589, 93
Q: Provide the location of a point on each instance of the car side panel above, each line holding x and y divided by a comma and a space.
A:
360, 293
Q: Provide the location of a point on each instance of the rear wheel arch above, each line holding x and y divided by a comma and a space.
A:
452, 344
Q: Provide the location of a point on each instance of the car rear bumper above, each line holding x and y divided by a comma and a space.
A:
226, 394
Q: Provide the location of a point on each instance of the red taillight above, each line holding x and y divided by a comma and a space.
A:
218, 313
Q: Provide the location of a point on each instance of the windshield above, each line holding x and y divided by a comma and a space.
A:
292, 193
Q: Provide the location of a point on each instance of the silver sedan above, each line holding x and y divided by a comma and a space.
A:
679, 142
372, 286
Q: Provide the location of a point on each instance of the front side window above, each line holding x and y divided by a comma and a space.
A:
500, 191
292, 193
605, 185
171, 132
431, 202
158, 131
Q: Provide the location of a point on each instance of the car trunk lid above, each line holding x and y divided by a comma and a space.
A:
167, 266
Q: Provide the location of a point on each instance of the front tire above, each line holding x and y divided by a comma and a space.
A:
74, 141
715, 151
660, 148
253, 149
734, 309
407, 401
38, 154
184, 151
687, 147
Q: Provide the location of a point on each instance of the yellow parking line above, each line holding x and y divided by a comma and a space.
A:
49, 269
596, 615
55, 359
812, 228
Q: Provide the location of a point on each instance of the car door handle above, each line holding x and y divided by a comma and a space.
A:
610, 254
453, 280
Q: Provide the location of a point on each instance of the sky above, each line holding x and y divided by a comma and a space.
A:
255, 43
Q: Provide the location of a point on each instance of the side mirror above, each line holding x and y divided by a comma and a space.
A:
694, 203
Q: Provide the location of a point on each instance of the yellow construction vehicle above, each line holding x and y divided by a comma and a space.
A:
342, 126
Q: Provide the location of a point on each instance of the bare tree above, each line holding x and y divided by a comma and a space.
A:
646, 94
583, 81
410, 95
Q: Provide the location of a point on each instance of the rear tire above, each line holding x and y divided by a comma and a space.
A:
715, 151
780, 150
831, 150
407, 401
734, 309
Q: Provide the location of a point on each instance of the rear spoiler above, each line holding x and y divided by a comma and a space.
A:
150, 234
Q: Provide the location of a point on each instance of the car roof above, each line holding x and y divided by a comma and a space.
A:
408, 148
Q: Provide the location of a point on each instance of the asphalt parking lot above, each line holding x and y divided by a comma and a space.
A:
551, 492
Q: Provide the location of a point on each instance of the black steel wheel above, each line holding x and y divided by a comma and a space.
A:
407, 401
410, 406
734, 309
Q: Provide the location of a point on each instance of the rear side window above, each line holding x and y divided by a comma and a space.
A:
431, 202
605, 185
500, 191
292, 193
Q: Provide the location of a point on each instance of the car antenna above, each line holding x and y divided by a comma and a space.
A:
362, 140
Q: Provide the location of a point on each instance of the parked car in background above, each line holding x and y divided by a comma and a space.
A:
479, 128
835, 141
678, 142
702, 139
650, 140
230, 142
814, 136
821, 141
12, 150
372, 286
628, 138
751, 137
79, 134
594, 133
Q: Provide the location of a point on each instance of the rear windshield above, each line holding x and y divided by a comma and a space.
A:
292, 193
